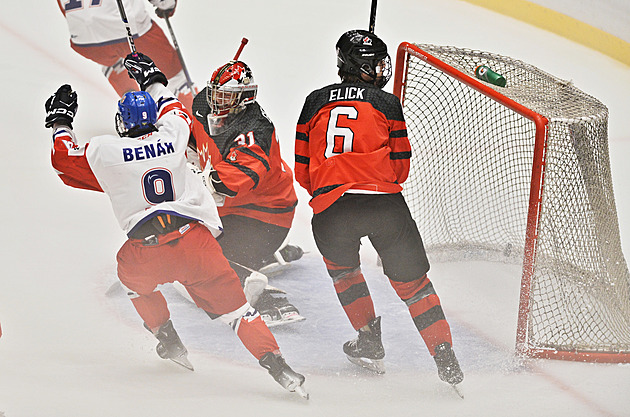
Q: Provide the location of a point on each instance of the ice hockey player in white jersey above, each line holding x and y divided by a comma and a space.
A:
169, 216
98, 34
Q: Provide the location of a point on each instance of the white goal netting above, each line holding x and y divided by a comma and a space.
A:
482, 186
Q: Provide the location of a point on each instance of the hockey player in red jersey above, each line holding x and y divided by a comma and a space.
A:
98, 34
352, 154
170, 218
240, 155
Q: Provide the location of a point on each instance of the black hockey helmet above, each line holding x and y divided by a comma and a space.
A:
364, 55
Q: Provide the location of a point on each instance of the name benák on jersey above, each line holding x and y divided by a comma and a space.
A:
347, 93
148, 151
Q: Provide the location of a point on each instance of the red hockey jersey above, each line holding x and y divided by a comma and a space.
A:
246, 156
350, 137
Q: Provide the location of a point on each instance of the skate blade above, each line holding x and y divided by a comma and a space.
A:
302, 392
458, 392
183, 361
295, 386
374, 365
285, 320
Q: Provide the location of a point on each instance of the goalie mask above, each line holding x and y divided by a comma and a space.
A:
364, 55
230, 89
137, 114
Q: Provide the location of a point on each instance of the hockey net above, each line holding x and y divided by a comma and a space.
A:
520, 174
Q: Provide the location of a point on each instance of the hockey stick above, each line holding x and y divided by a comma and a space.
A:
123, 15
373, 16
179, 54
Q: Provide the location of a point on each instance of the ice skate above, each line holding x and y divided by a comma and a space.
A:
283, 374
367, 349
276, 311
170, 345
447, 364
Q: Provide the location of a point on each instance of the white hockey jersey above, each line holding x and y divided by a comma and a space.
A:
140, 175
98, 22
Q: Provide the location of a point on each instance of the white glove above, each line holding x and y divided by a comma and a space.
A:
164, 8
219, 198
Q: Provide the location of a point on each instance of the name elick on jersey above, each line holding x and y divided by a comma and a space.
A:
148, 151
347, 93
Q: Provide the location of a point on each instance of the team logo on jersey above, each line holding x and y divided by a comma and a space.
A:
232, 156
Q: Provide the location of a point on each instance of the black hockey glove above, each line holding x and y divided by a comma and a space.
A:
142, 69
61, 107
164, 8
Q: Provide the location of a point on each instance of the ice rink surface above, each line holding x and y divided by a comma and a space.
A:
71, 348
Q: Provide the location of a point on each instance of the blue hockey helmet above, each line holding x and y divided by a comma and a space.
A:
137, 114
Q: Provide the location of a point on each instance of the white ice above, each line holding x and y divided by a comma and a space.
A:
70, 349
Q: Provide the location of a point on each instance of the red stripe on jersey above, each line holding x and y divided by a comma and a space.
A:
263, 183
71, 163
177, 108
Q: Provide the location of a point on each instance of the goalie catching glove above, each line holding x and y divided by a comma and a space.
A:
61, 107
142, 69
206, 178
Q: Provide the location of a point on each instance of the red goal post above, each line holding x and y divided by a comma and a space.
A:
520, 174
